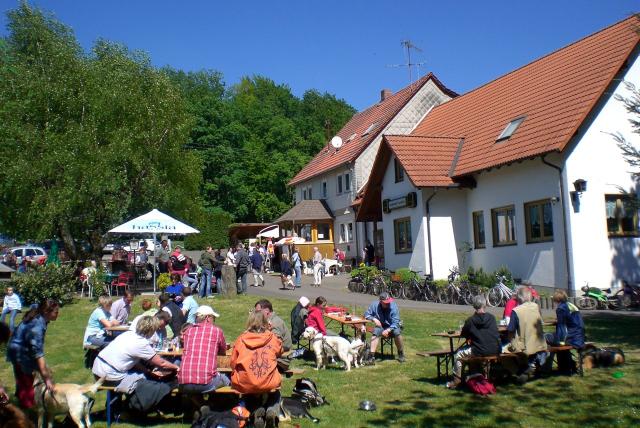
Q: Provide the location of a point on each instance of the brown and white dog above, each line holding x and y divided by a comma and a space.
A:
12, 417
66, 398
602, 357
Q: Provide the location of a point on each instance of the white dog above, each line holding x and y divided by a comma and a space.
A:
66, 398
357, 351
330, 346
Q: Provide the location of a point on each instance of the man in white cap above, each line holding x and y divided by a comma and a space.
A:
386, 316
298, 316
203, 342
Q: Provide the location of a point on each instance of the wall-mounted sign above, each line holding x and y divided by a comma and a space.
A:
409, 201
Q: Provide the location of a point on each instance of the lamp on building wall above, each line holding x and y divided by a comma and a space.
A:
580, 186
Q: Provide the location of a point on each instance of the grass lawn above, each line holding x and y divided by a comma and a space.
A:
408, 394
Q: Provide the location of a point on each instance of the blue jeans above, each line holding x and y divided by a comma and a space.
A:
298, 280
243, 283
12, 319
205, 283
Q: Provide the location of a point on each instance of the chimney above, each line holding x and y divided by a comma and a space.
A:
384, 94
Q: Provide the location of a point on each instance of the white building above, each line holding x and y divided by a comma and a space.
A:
337, 176
521, 172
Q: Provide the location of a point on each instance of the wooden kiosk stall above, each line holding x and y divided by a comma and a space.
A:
311, 220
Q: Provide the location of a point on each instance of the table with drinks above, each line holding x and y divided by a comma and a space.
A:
346, 319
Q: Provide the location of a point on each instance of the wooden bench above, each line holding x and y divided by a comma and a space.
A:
443, 359
486, 362
569, 348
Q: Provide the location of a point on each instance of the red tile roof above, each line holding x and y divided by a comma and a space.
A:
555, 93
426, 160
380, 114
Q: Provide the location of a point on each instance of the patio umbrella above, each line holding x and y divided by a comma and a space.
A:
152, 223
290, 240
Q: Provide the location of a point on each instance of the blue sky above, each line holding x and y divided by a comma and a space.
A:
339, 46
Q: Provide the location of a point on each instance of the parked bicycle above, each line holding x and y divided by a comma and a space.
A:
457, 291
500, 293
420, 289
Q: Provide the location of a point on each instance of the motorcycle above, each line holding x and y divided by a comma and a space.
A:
596, 298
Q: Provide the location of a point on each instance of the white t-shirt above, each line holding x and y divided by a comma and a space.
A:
122, 355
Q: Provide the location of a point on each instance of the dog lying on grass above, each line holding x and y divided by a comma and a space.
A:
332, 346
602, 357
66, 398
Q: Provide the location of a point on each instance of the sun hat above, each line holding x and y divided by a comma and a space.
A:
385, 298
205, 310
303, 301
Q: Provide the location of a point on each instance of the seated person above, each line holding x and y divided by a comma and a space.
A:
508, 308
175, 289
526, 335
569, 330
286, 272
121, 308
159, 337
276, 324
299, 315
481, 332
148, 308
260, 385
95, 333
315, 317
203, 342
189, 305
385, 315
190, 268
121, 361
178, 262
11, 305
177, 317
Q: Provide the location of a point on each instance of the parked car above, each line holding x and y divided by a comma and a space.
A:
32, 253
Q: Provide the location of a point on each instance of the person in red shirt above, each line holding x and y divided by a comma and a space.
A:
513, 302
203, 342
315, 317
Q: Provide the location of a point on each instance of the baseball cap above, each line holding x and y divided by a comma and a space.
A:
303, 301
205, 310
385, 298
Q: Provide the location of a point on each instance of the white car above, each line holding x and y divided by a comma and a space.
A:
32, 253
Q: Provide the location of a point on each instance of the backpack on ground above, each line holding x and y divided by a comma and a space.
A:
480, 385
307, 391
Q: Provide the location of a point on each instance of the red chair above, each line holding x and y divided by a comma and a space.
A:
121, 282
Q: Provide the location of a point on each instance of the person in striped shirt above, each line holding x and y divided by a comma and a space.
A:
203, 342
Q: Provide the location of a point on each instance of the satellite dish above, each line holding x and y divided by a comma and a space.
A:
336, 142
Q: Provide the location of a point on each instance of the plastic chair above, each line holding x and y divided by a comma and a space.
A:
85, 281
121, 282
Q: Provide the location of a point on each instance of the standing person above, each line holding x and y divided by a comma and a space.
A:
207, 263
203, 342
318, 265
481, 332
256, 268
217, 271
296, 263
162, 256
270, 253
386, 316
95, 333
26, 351
243, 263
286, 272
177, 317
121, 308
255, 369
276, 324
263, 254
189, 305
370, 254
11, 305
230, 258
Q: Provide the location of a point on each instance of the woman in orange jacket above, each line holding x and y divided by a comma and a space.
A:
255, 369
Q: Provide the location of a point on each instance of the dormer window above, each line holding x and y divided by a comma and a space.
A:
510, 129
370, 128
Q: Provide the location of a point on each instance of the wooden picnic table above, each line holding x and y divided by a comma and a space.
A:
355, 321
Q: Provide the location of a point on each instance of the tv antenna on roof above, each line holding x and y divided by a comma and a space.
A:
408, 45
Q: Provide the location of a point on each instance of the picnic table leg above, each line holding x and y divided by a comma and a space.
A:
108, 409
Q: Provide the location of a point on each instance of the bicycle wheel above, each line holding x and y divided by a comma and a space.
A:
624, 300
587, 303
494, 298
409, 290
441, 295
395, 290
470, 291
431, 293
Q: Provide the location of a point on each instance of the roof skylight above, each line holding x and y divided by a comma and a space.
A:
370, 128
511, 128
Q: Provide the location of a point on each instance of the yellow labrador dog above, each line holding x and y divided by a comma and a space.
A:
66, 398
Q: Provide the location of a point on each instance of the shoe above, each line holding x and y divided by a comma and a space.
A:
263, 282
371, 361
258, 418
454, 384
401, 358
272, 417
522, 379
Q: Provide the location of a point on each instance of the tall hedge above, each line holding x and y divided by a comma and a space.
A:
213, 228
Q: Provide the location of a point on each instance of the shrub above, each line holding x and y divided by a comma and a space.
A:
406, 275
365, 272
481, 278
441, 283
45, 282
98, 281
163, 281
214, 231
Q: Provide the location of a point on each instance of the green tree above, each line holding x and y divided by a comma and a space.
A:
86, 140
